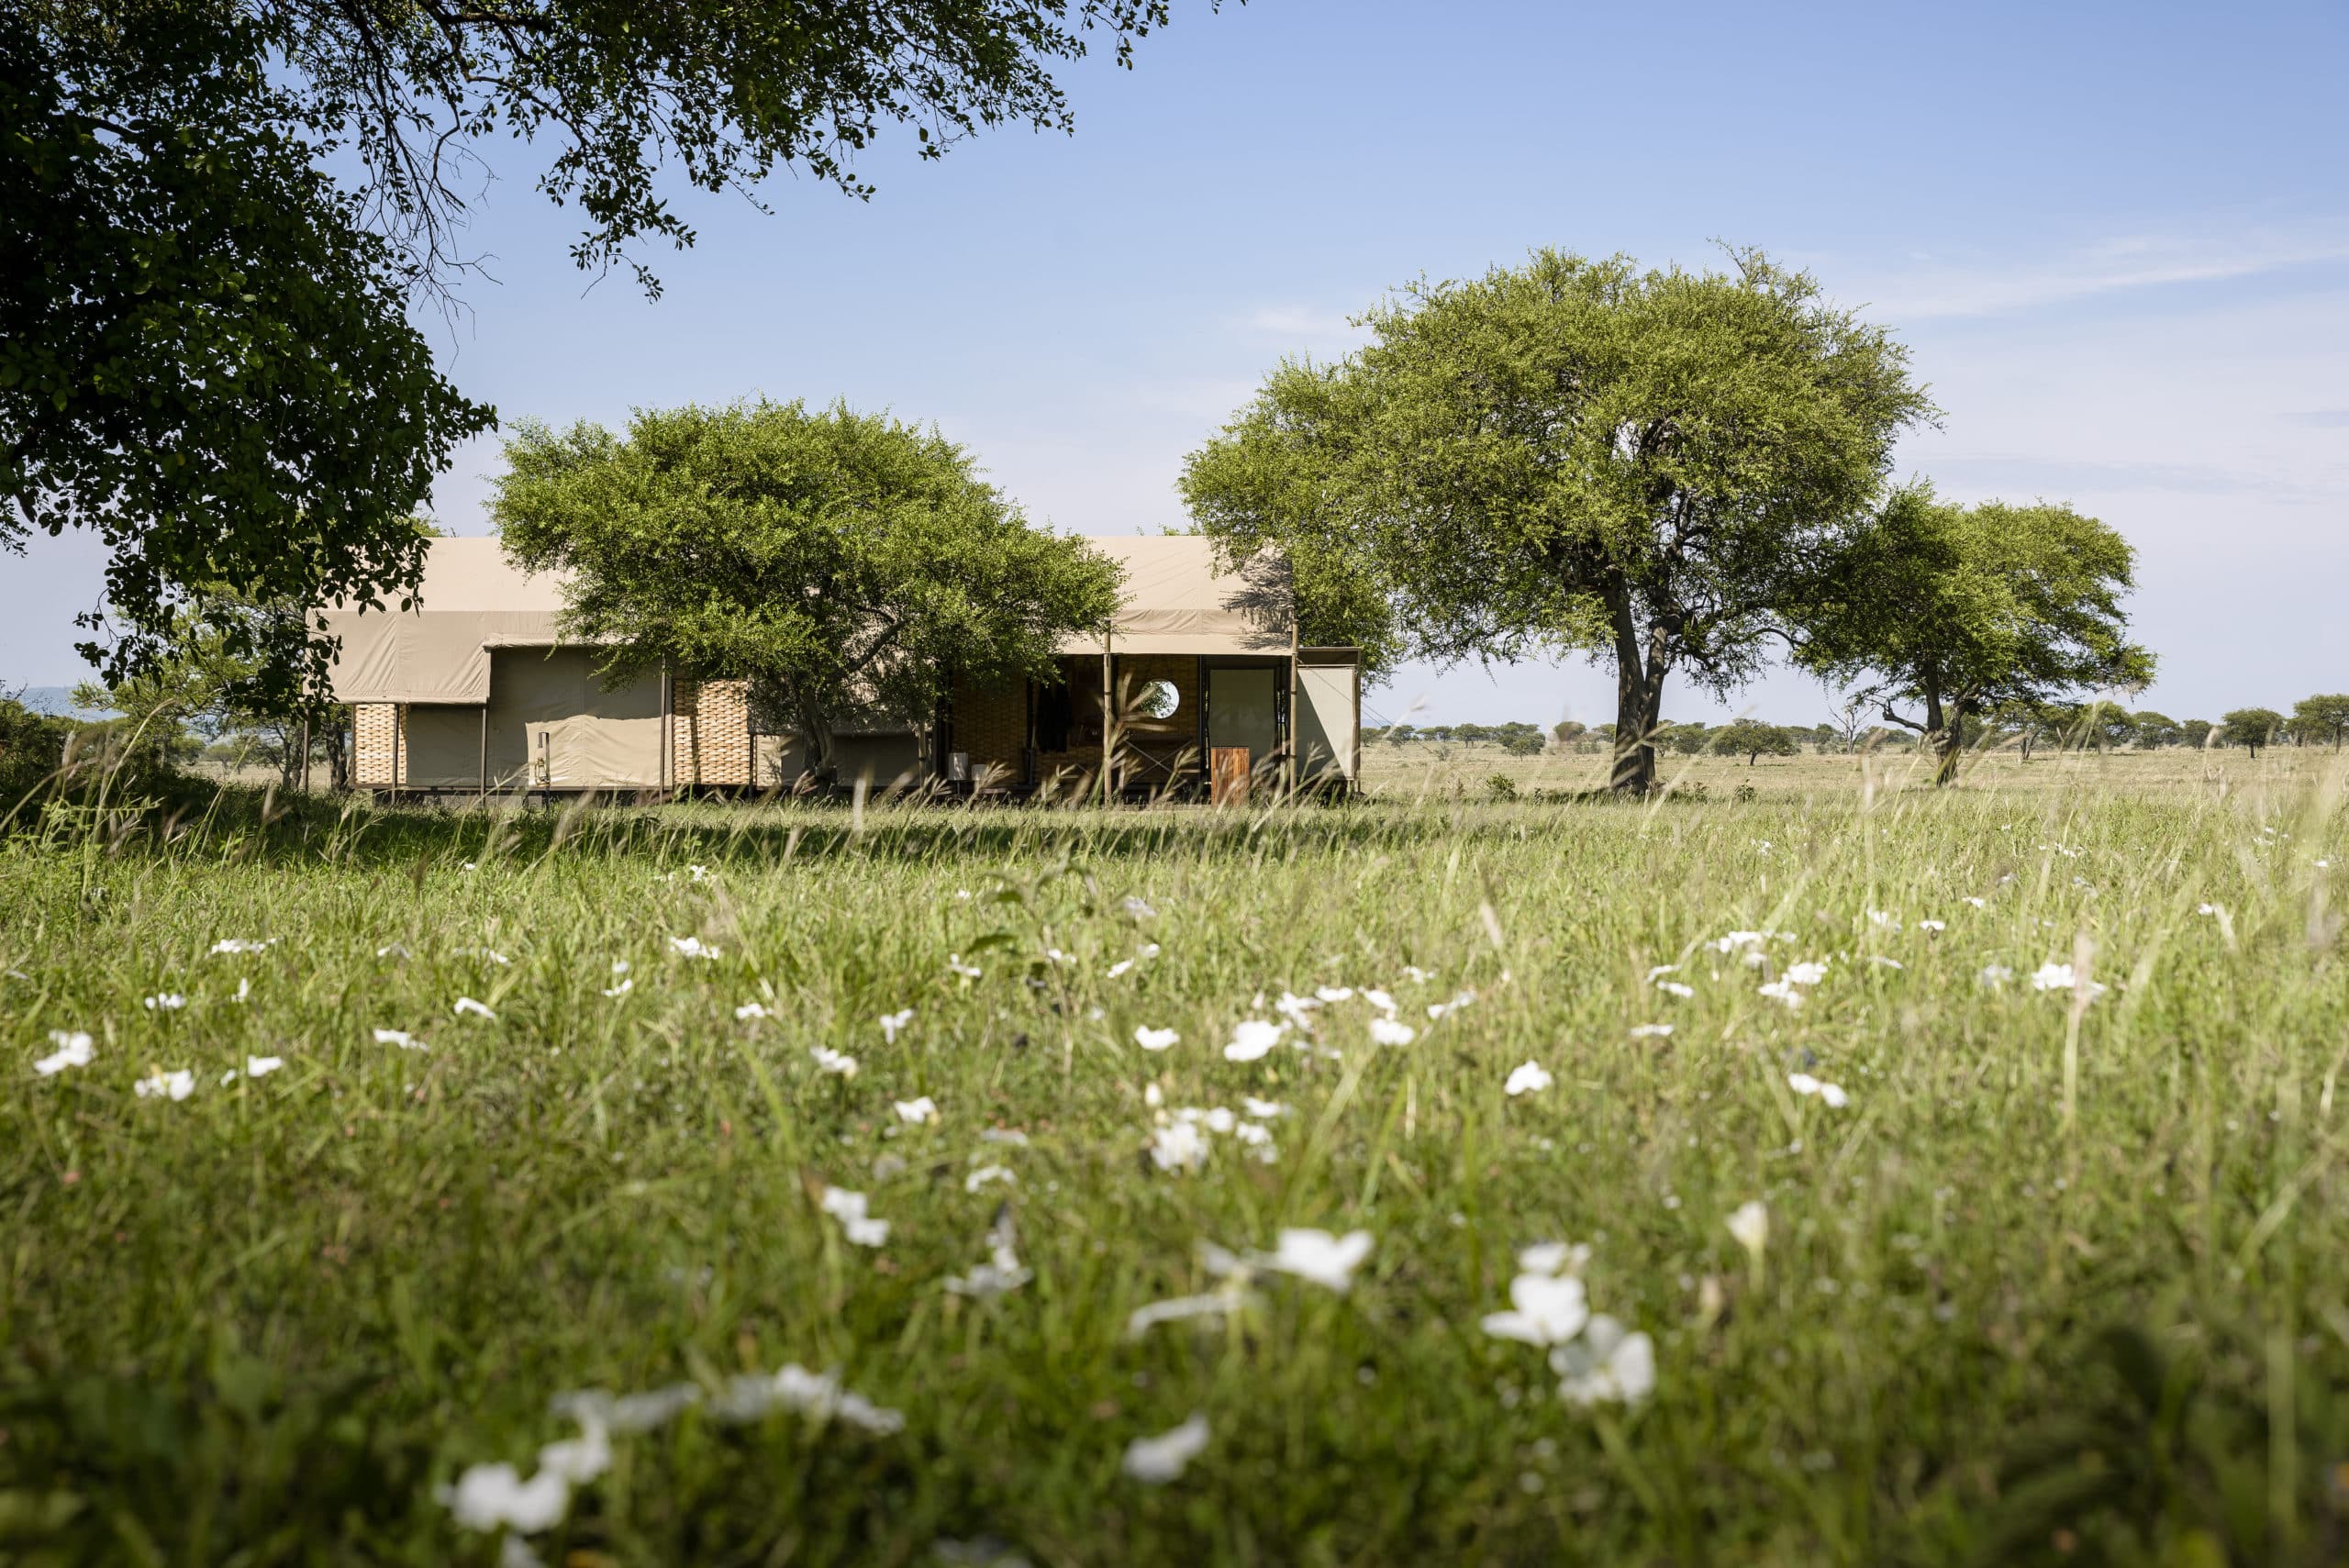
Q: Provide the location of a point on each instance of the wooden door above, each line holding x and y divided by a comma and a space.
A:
1228, 774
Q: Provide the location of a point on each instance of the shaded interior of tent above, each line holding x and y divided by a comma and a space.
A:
1201, 688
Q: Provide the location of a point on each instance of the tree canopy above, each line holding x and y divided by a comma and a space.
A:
843, 563
1753, 740
1957, 611
1573, 455
2321, 719
218, 216
2250, 728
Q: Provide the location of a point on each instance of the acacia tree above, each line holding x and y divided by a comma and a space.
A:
2251, 727
1753, 740
215, 220
2321, 719
1959, 611
1575, 455
843, 563
2151, 729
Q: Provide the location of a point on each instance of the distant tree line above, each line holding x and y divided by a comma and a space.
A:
2321, 720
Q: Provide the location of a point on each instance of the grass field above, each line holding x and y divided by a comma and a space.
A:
2064, 1277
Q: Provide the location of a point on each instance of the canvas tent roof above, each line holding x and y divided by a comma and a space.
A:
1178, 600
472, 600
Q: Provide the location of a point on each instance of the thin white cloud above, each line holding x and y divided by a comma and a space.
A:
1301, 322
2137, 262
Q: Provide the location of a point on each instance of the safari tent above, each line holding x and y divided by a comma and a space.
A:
1200, 686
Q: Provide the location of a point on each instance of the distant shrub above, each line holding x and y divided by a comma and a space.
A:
1500, 787
1745, 792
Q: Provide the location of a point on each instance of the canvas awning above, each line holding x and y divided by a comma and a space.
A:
1177, 600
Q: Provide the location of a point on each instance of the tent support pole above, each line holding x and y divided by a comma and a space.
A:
305, 753
1107, 744
485, 753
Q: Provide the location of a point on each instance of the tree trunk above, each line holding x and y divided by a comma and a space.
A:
822, 754
1947, 741
1639, 700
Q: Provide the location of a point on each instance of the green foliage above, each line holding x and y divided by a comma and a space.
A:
2251, 727
1960, 610
2320, 719
1683, 740
2196, 731
1753, 740
219, 216
1573, 455
2151, 729
1500, 787
844, 564
205, 355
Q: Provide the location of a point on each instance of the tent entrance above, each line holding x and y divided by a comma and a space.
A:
1243, 710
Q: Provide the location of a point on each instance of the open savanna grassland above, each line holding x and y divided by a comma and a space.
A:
1424, 770
2055, 1273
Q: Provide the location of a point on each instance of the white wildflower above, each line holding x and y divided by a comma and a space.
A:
1750, 1223
750, 1396
1265, 1111
750, 1010
1417, 975
700, 874
1002, 1273
1809, 972
241, 944
1156, 1461
1443, 1009
859, 1227
622, 989
1380, 1000
1995, 974
166, 1002
1527, 1078
263, 1066
1933, 925
1549, 1258
916, 1111
955, 965
830, 1061
692, 946
2059, 977
1010, 1136
73, 1049
1156, 1040
2206, 908
1544, 1310
892, 1023
495, 1497
1328, 1260
1674, 988
1178, 1146
478, 1009
1251, 1038
1977, 901
1883, 963
1804, 1084
176, 1086
1392, 1032
986, 1176
1334, 994
1139, 909
1651, 1031
1119, 967
1661, 970
400, 1038
1607, 1366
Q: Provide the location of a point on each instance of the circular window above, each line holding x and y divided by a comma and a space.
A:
1158, 700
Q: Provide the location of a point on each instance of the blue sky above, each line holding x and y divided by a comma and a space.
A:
2116, 238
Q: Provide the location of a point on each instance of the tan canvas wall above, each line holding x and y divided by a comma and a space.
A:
443, 744
991, 723
552, 725
1328, 718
